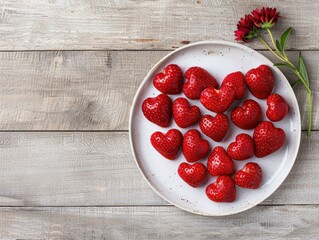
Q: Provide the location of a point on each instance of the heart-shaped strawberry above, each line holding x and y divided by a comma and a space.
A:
217, 101
215, 127
193, 175
223, 190
184, 114
250, 176
170, 81
236, 80
167, 144
242, 148
268, 139
197, 80
219, 163
158, 110
247, 116
194, 147
277, 107
260, 81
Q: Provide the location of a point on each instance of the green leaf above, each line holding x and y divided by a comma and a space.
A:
283, 38
280, 65
295, 83
283, 65
303, 69
278, 45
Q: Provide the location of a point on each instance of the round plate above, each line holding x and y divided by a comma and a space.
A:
219, 58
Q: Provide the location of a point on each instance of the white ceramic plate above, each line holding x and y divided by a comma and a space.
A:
219, 58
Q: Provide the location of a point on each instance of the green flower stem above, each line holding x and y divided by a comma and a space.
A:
285, 59
270, 49
275, 46
309, 99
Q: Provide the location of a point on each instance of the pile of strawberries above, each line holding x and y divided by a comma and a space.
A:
200, 84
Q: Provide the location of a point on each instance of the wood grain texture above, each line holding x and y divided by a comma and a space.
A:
72, 90
262, 222
138, 24
93, 173
97, 169
67, 90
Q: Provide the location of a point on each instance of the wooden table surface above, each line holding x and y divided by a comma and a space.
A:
69, 71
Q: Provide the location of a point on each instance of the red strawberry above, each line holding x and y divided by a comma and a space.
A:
217, 100
236, 80
268, 139
242, 148
250, 176
184, 114
194, 147
247, 116
193, 175
219, 163
167, 144
215, 127
170, 81
260, 81
158, 110
197, 80
223, 190
277, 107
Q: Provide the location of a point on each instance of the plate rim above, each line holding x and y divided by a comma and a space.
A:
150, 72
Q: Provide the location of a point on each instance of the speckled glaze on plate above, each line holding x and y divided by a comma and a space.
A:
219, 58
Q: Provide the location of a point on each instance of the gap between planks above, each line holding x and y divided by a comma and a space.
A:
139, 50
150, 206
85, 131
66, 131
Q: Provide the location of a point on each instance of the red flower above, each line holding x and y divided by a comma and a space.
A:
265, 17
245, 29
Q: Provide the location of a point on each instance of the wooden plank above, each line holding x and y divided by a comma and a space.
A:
262, 222
86, 24
89, 90
97, 169
67, 90
57, 169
